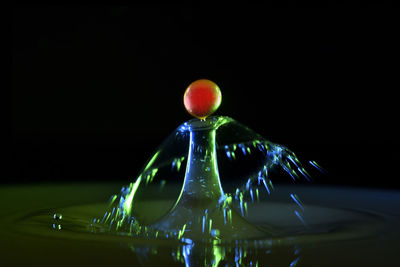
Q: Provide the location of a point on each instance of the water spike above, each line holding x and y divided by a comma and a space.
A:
179, 163
173, 164
248, 184
296, 199
270, 184
293, 161
224, 211
237, 192
243, 148
266, 145
241, 207
248, 149
307, 174
318, 167
266, 186
288, 171
104, 217
254, 143
294, 262
112, 199
300, 217
304, 173
112, 212
295, 174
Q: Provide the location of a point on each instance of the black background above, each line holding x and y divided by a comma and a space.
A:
96, 88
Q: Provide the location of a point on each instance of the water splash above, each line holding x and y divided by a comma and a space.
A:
206, 206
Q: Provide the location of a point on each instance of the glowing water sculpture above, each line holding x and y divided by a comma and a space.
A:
227, 169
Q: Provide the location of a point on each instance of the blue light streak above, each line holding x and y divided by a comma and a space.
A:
295, 199
299, 216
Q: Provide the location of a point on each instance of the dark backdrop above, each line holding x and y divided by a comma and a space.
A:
96, 88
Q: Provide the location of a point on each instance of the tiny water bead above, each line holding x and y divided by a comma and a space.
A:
202, 98
227, 171
57, 216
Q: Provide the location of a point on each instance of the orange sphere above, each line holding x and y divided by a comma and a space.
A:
202, 98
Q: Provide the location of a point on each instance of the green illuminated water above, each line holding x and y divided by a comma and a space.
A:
203, 203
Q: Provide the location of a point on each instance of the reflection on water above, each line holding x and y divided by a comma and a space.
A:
208, 255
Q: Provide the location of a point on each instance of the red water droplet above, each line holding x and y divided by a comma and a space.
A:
202, 98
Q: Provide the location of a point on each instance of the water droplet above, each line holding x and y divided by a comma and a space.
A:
57, 216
